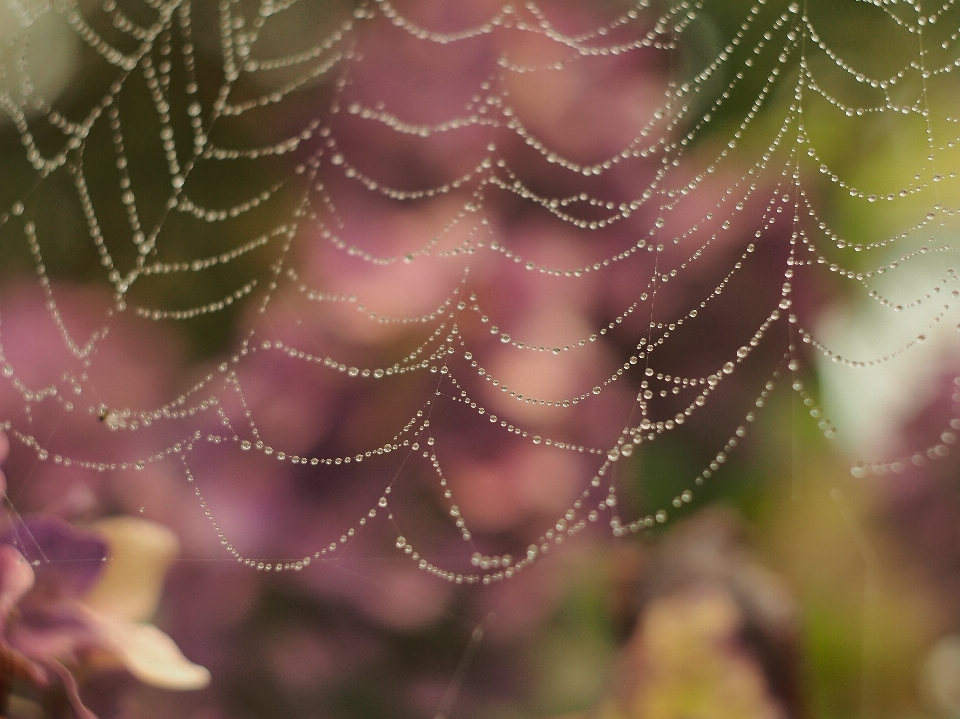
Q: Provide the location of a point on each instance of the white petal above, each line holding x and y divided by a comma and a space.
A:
140, 553
152, 656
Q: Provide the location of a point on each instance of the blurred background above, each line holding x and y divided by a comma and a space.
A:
585, 359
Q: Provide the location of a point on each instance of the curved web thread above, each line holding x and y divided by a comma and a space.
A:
421, 231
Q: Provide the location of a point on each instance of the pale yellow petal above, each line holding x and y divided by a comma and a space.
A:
140, 553
152, 656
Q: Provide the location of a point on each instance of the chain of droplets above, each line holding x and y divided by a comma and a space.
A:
413, 362
502, 567
883, 84
884, 302
664, 24
858, 247
518, 188
513, 122
861, 277
276, 96
667, 111
566, 403
632, 438
30, 230
127, 420
752, 14
728, 368
710, 381
469, 207
43, 454
80, 131
645, 347
922, 20
356, 109
317, 296
808, 338
460, 395
221, 259
160, 102
505, 17
948, 437
476, 205
350, 171
478, 561
30, 395
75, 132
418, 426
185, 204
867, 195
201, 500
781, 20
405, 437
504, 562
671, 159
453, 509
754, 172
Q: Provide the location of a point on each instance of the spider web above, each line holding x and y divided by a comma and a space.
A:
419, 250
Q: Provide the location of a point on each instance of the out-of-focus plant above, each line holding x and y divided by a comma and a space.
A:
80, 605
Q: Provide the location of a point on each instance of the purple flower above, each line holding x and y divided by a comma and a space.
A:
78, 600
